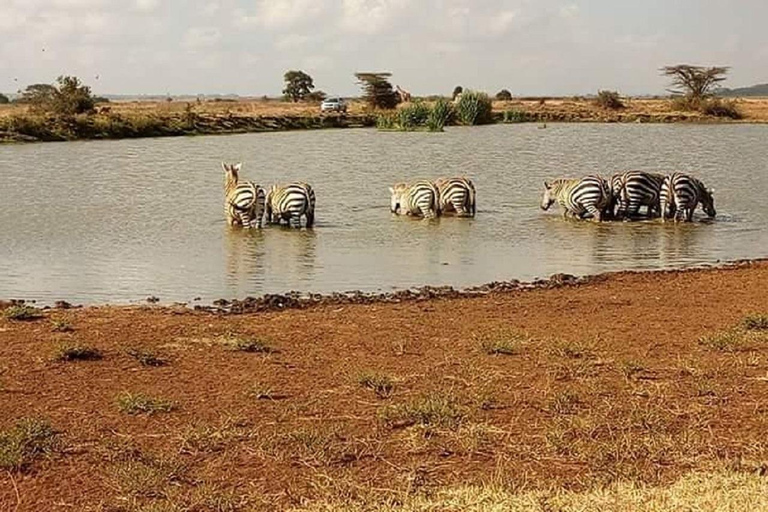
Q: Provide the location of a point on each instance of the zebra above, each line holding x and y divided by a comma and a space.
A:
578, 197
457, 195
633, 189
681, 193
289, 202
243, 200
420, 198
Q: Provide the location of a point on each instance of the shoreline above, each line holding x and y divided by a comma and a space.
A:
125, 120
298, 300
640, 377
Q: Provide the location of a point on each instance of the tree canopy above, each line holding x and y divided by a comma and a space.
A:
695, 82
67, 98
298, 85
377, 91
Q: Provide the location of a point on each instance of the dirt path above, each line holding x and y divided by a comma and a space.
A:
617, 379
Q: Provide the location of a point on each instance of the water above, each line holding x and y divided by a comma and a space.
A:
117, 221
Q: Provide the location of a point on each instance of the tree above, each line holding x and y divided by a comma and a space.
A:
68, 98
298, 85
694, 82
4, 99
503, 95
377, 91
609, 99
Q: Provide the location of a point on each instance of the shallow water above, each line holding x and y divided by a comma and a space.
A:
117, 221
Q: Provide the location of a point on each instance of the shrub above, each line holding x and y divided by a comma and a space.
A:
67, 98
4, 100
716, 107
515, 116
76, 353
504, 95
440, 115
474, 108
413, 115
146, 358
387, 121
609, 99
381, 384
22, 313
28, 439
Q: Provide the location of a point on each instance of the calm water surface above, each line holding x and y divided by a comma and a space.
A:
117, 221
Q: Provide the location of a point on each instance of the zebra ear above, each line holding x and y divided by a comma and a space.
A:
391, 190
546, 185
238, 166
225, 167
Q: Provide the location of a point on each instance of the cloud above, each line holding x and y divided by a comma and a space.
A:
201, 37
281, 14
371, 16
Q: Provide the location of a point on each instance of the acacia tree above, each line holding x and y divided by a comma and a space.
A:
67, 98
298, 85
694, 82
377, 91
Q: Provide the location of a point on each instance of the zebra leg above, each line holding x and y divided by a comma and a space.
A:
245, 218
596, 213
310, 218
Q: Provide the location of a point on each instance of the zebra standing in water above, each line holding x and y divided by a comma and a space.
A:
420, 198
243, 200
290, 202
456, 195
578, 197
681, 193
633, 189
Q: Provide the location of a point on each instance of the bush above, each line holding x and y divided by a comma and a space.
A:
716, 107
440, 115
503, 95
4, 99
609, 99
68, 98
474, 108
515, 116
413, 115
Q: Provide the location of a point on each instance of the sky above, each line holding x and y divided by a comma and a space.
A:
530, 47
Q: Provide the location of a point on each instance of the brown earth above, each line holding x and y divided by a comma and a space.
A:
641, 377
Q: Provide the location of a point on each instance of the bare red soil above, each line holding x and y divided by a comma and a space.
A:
611, 379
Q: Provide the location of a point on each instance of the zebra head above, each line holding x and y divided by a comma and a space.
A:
396, 197
549, 196
708, 202
232, 172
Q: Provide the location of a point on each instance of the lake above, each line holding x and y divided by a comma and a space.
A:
117, 221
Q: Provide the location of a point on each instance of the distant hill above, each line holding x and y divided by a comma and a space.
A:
755, 90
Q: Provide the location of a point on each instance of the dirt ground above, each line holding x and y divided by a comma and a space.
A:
631, 377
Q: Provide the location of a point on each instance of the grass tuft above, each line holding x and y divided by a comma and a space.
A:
503, 342
22, 313
139, 403
725, 341
27, 440
146, 357
76, 353
381, 384
61, 326
755, 322
432, 410
238, 344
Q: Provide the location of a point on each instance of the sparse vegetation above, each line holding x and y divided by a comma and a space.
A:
609, 100
139, 403
474, 108
76, 352
22, 313
146, 357
61, 326
382, 384
431, 410
504, 95
717, 107
28, 440
504, 342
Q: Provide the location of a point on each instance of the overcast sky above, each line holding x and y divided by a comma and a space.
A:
531, 47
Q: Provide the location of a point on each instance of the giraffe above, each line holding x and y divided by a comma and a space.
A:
404, 95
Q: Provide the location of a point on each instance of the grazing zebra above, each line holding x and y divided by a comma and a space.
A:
578, 197
243, 200
290, 202
420, 198
633, 189
456, 195
681, 193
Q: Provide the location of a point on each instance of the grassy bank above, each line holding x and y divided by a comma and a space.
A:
625, 391
154, 119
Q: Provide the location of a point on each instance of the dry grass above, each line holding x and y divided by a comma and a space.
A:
147, 357
720, 491
242, 344
381, 384
22, 313
139, 403
430, 410
28, 440
76, 352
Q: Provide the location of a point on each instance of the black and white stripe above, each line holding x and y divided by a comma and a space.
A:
578, 197
633, 189
681, 193
420, 198
457, 195
243, 200
289, 202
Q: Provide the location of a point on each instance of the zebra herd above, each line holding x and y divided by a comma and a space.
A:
674, 196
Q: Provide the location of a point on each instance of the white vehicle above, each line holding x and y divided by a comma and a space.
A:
334, 104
